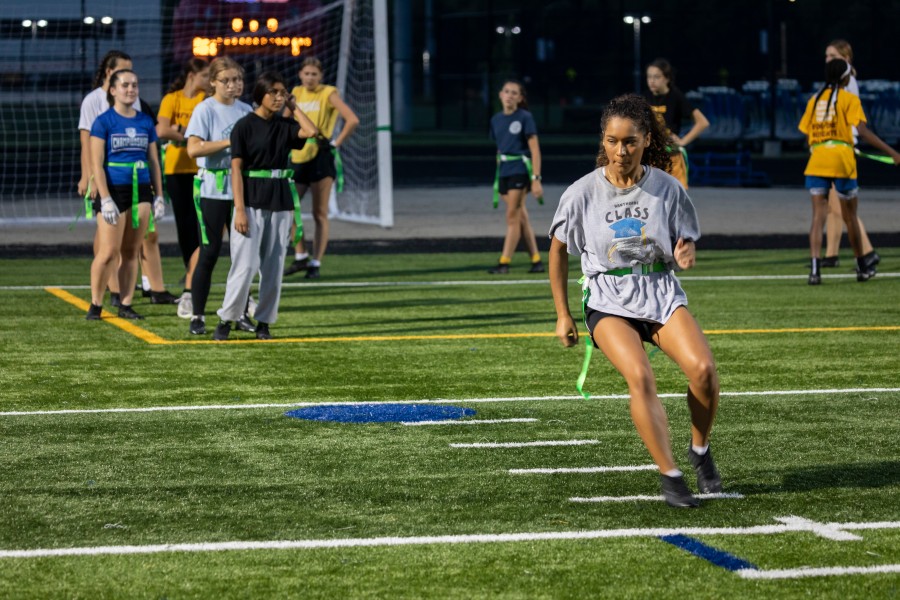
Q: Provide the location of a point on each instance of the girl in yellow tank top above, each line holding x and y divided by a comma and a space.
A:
314, 164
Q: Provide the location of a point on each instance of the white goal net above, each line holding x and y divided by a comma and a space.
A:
50, 51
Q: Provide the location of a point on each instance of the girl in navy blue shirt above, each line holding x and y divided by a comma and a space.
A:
518, 171
124, 161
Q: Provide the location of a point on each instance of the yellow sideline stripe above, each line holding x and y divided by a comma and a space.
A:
123, 324
152, 338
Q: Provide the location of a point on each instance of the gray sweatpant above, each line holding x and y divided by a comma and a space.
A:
262, 250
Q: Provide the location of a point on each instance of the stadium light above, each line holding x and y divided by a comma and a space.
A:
106, 20
516, 30
42, 23
89, 20
635, 21
27, 23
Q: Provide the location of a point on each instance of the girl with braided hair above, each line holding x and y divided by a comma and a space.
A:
828, 124
633, 225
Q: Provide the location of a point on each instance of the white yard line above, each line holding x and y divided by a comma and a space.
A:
815, 572
719, 496
527, 444
617, 469
468, 422
75, 411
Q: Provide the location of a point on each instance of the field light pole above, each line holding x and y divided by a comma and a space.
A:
635, 21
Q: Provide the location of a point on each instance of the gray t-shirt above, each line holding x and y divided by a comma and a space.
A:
613, 228
213, 121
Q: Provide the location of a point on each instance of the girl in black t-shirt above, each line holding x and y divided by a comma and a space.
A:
265, 202
671, 108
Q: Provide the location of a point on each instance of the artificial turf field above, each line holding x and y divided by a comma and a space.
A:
236, 500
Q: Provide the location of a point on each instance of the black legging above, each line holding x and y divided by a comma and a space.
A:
216, 217
181, 191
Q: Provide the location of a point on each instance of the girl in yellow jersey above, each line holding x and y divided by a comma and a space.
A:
828, 123
314, 165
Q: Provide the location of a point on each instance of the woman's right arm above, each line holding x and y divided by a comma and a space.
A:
241, 225
197, 147
98, 155
86, 167
566, 330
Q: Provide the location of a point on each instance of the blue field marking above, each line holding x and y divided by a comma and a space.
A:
717, 557
380, 413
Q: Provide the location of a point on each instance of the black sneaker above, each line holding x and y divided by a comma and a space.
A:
872, 259
144, 293
198, 326
126, 312
115, 299
708, 479
223, 329
262, 331
297, 266
93, 313
500, 269
245, 324
163, 297
830, 261
865, 275
814, 279
536, 267
676, 492
311, 273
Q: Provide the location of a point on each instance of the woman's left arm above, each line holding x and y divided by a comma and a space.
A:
700, 124
873, 140
351, 121
537, 188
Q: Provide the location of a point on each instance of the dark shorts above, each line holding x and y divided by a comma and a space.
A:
644, 328
514, 182
121, 195
317, 169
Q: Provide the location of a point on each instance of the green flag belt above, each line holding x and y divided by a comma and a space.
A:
135, 167
588, 342
220, 174
876, 157
656, 267
502, 158
289, 175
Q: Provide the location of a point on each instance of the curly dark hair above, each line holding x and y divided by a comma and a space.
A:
637, 109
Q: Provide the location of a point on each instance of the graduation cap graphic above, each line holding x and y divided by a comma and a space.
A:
627, 227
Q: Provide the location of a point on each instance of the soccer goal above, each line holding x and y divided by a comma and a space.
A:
51, 49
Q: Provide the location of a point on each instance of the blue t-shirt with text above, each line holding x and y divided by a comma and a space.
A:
127, 141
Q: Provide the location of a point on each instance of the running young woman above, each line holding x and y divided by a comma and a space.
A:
633, 226
828, 124
186, 92
518, 172
314, 165
672, 108
125, 161
834, 224
208, 140
265, 203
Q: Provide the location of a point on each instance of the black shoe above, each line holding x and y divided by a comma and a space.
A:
676, 492
865, 275
245, 324
115, 299
872, 259
223, 329
830, 261
536, 267
814, 279
500, 269
163, 297
198, 326
297, 266
126, 312
144, 293
311, 273
262, 331
708, 479
93, 313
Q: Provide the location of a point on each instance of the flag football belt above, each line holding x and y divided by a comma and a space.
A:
135, 167
502, 158
684, 155
588, 342
338, 162
289, 175
876, 157
642, 269
220, 175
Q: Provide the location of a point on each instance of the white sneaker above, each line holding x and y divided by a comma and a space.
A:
251, 307
185, 306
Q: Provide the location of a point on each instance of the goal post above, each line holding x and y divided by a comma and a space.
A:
48, 66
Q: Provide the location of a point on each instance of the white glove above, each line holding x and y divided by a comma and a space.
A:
109, 210
159, 208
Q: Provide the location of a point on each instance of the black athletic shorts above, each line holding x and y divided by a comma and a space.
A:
121, 195
644, 328
317, 169
514, 182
